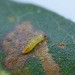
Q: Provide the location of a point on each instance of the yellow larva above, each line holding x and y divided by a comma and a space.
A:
33, 42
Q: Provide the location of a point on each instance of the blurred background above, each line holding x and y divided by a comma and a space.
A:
65, 8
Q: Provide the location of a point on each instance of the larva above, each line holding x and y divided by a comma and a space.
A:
33, 42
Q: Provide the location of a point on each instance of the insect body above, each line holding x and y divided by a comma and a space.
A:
33, 42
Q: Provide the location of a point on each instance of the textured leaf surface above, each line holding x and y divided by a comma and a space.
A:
57, 28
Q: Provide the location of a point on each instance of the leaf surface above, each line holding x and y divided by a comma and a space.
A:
58, 30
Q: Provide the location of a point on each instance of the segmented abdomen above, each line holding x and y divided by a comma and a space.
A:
33, 42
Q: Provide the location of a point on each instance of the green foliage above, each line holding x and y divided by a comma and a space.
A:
1, 59
65, 57
3, 73
35, 66
57, 29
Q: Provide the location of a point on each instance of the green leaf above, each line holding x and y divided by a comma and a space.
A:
35, 66
57, 28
